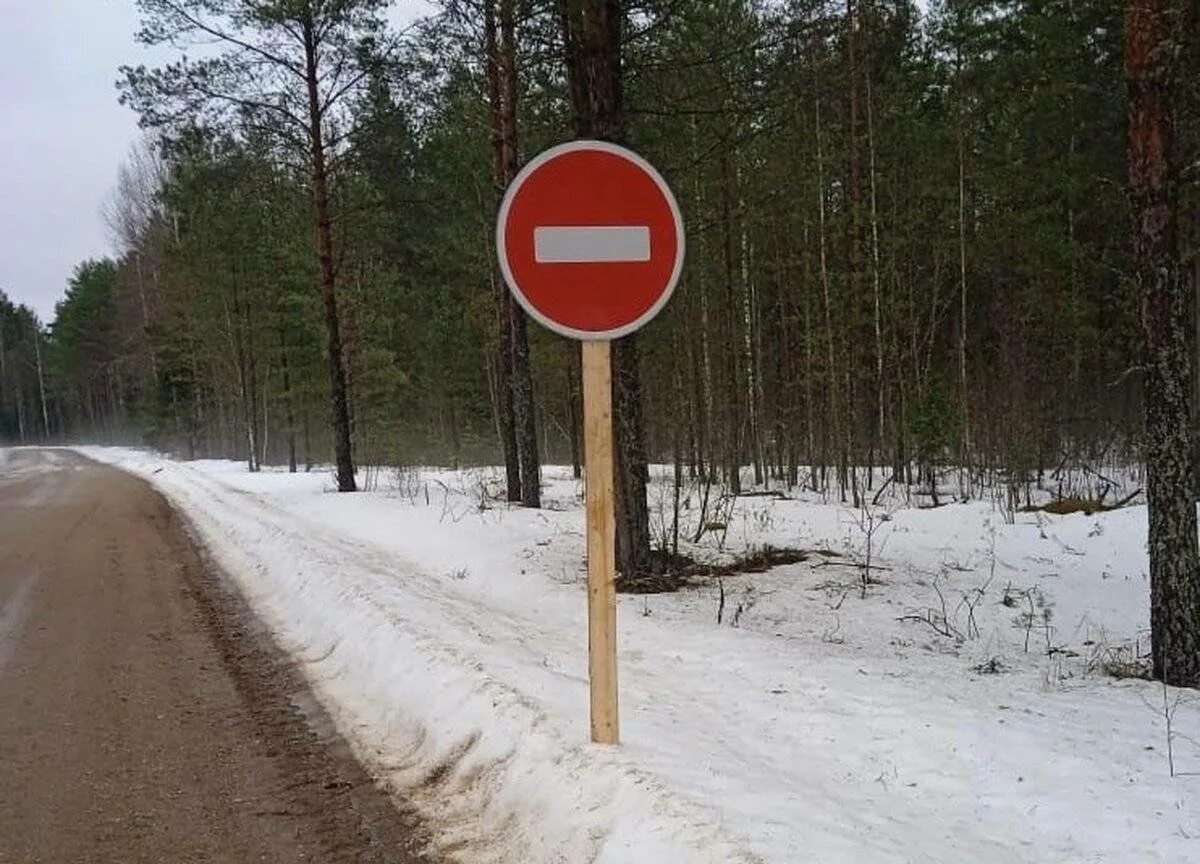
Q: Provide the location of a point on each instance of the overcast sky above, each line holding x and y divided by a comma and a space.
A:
63, 136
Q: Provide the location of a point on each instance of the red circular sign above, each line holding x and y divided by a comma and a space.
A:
590, 240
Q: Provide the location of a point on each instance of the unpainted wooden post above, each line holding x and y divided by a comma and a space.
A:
601, 549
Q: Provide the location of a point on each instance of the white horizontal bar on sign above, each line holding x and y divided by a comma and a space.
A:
591, 244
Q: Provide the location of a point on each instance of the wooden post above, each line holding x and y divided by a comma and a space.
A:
601, 548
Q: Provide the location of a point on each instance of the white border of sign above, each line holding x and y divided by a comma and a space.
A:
502, 220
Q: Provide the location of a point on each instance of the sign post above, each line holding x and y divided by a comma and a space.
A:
590, 241
601, 550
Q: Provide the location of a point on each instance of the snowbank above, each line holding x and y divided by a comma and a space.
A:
446, 634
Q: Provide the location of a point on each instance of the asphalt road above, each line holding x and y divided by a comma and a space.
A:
145, 715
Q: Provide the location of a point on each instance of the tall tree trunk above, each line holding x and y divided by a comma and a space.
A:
265, 433
876, 280
854, 249
733, 371
307, 433
505, 407
244, 387
632, 471
320, 192
752, 351
288, 402
253, 392
704, 457
524, 411
37, 352
593, 32
455, 437
965, 456
196, 410
810, 453
835, 418
1166, 319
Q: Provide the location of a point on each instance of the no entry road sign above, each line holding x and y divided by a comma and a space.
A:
590, 240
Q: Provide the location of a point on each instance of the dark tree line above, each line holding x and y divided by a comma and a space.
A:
23, 413
919, 245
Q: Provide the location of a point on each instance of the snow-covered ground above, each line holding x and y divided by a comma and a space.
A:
445, 631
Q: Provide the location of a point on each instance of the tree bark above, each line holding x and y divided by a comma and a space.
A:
960, 135
320, 193
234, 324
288, 402
592, 34
503, 299
1167, 322
732, 349
854, 249
835, 418
524, 411
876, 284
37, 353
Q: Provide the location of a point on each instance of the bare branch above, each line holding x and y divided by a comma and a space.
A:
217, 33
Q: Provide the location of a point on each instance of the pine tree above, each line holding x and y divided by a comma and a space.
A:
1168, 317
289, 70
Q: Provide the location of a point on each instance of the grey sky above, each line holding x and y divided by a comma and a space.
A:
63, 136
